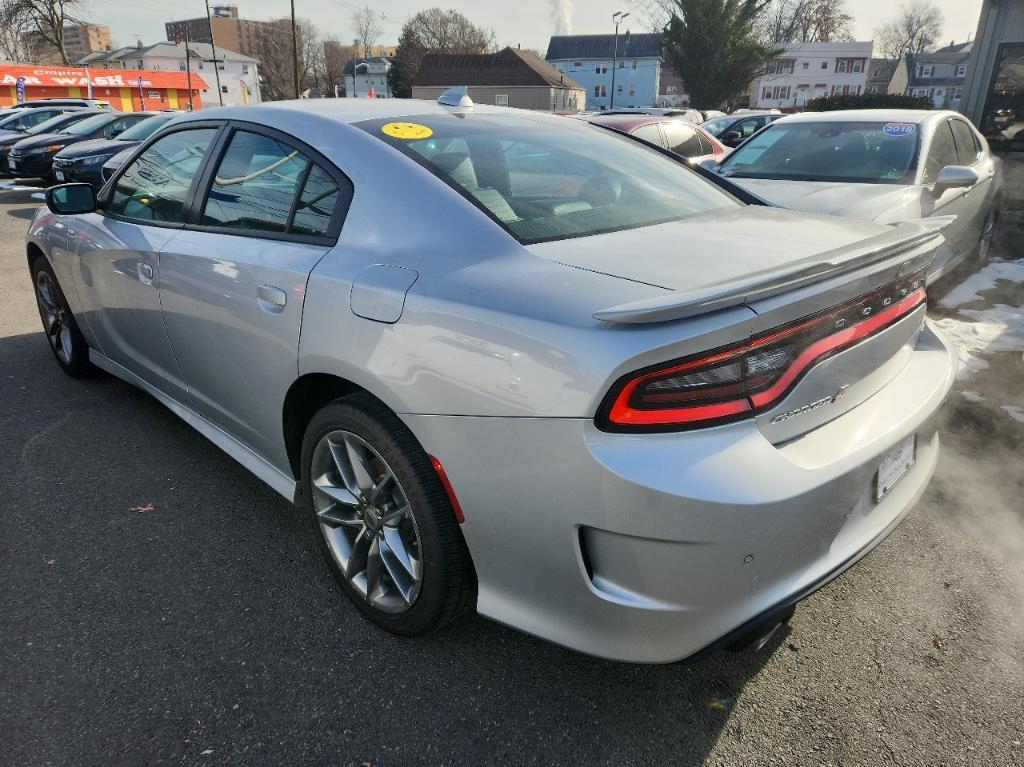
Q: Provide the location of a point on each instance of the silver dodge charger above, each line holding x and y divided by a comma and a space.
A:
513, 363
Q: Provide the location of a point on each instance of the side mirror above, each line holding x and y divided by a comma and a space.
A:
731, 137
71, 199
955, 177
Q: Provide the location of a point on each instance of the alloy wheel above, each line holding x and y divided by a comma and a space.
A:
367, 521
55, 318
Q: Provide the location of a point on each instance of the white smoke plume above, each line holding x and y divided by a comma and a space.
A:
561, 14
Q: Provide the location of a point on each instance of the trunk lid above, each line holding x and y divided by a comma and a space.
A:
847, 281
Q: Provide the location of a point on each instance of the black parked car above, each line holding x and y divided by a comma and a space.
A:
735, 129
84, 161
54, 125
34, 156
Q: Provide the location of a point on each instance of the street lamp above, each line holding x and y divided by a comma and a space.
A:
617, 18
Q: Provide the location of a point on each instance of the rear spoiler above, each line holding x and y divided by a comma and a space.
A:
902, 238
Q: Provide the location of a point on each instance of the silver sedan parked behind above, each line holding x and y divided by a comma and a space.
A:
512, 361
885, 166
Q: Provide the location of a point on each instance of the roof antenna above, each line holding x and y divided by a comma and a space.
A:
456, 96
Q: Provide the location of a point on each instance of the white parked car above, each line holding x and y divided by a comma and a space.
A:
884, 166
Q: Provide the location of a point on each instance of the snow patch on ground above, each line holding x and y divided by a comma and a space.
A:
984, 279
997, 329
972, 396
13, 186
1016, 413
38, 196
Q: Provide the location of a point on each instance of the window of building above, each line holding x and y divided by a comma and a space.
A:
767, 92
957, 94
961, 70
858, 66
622, 64
618, 88
824, 65
925, 70
784, 92
842, 65
223, 89
154, 186
245, 69
601, 68
632, 90
577, 64
632, 64
255, 184
501, 99
805, 65
600, 91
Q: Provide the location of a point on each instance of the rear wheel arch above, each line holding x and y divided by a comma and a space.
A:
306, 396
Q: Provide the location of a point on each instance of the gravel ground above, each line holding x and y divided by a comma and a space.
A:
206, 631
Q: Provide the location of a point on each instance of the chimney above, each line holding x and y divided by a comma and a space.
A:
138, 43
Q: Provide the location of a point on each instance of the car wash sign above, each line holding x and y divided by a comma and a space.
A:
68, 78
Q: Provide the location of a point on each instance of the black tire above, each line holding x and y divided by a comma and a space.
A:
71, 350
448, 583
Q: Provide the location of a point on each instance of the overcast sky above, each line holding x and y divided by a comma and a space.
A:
525, 22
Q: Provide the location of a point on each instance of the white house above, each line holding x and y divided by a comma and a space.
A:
239, 75
808, 70
364, 75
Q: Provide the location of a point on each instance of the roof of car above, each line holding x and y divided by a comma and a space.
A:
628, 122
915, 116
341, 110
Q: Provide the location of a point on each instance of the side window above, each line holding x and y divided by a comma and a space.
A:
705, 145
255, 184
941, 153
748, 128
682, 139
117, 127
650, 133
967, 149
35, 117
317, 202
154, 186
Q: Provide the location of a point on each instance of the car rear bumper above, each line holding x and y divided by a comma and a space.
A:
653, 548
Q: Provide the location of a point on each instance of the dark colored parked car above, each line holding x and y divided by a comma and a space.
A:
735, 129
84, 161
54, 125
34, 156
21, 120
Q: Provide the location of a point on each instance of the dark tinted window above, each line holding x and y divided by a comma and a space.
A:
255, 184
682, 139
650, 133
967, 148
154, 186
120, 125
316, 204
941, 153
32, 117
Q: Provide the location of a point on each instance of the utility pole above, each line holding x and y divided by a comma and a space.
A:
188, 68
295, 54
213, 47
617, 18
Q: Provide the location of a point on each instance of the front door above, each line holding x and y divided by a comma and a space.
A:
951, 202
232, 283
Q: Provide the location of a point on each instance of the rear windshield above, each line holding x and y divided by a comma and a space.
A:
858, 152
143, 130
544, 178
94, 123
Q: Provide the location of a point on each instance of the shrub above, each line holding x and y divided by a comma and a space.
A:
867, 101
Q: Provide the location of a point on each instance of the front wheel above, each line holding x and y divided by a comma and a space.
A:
65, 339
384, 523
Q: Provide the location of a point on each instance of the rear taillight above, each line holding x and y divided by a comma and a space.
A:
744, 379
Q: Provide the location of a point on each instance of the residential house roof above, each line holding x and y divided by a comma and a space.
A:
510, 66
957, 47
167, 50
350, 64
644, 45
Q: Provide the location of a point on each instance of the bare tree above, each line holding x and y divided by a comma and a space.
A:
433, 31
334, 64
366, 23
915, 30
806, 21
15, 27
49, 17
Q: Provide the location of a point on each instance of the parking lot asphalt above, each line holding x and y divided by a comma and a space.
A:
159, 605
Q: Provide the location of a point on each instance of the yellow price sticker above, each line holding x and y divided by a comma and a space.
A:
408, 131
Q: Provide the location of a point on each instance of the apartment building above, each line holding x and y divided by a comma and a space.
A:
809, 70
79, 40
225, 29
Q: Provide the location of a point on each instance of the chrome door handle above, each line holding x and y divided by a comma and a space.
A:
271, 299
146, 273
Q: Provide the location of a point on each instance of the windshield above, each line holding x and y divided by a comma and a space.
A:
7, 120
145, 129
86, 127
543, 179
58, 123
856, 152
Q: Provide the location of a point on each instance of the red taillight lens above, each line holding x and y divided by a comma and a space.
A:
747, 378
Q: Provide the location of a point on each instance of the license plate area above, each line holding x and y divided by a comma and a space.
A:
895, 466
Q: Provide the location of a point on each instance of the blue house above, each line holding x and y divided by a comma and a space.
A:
587, 59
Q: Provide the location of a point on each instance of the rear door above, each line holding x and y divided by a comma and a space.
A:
233, 281
976, 199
